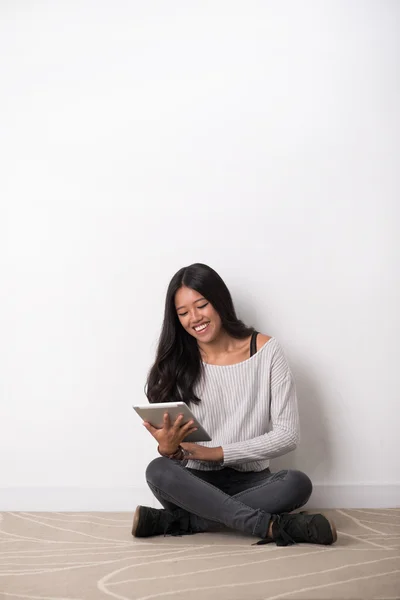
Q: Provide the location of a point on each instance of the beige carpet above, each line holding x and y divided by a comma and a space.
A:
93, 556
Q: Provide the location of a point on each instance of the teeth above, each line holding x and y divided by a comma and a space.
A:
201, 327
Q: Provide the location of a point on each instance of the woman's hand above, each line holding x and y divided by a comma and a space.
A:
197, 452
170, 436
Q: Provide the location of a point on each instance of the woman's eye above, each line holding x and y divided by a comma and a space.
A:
185, 313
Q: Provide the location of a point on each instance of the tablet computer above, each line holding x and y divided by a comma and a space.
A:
154, 414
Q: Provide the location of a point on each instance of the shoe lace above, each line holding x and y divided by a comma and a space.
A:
281, 536
177, 525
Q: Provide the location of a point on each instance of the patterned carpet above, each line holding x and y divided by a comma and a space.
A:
90, 556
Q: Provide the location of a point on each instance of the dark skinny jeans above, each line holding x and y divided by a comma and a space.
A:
244, 501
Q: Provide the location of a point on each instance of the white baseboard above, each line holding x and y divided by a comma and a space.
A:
355, 496
74, 499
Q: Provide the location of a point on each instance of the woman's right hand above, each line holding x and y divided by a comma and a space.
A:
170, 436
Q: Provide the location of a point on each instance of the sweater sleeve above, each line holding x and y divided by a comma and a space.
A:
283, 435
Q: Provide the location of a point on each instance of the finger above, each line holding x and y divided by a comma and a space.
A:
166, 421
187, 426
189, 449
178, 422
186, 434
150, 427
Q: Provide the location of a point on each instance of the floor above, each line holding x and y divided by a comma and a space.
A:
90, 556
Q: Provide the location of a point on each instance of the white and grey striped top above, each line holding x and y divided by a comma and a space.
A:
250, 409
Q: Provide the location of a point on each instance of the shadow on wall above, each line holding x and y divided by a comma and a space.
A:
313, 455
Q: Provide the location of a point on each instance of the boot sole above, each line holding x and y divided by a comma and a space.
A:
135, 521
333, 529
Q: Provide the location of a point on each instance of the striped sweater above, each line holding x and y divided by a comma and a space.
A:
250, 409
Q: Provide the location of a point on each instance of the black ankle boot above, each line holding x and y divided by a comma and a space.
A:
288, 529
153, 521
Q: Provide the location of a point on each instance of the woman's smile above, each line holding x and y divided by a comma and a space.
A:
200, 329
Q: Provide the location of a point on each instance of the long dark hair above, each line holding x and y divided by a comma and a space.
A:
178, 366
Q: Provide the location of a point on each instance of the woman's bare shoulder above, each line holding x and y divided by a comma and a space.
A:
262, 339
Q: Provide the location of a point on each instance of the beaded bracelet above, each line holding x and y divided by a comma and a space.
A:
179, 454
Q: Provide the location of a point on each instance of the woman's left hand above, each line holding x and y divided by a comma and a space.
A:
198, 452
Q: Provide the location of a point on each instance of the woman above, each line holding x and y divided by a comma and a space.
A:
240, 388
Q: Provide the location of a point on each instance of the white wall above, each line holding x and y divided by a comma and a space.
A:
137, 137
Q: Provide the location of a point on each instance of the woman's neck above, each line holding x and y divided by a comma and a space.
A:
224, 344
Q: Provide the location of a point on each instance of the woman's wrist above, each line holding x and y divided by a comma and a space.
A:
178, 454
217, 454
167, 450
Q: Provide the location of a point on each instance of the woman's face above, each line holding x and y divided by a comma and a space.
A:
197, 315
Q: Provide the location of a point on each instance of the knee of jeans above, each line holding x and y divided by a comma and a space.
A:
301, 483
156, 471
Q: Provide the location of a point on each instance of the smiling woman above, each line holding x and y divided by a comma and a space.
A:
241, 389
196, 296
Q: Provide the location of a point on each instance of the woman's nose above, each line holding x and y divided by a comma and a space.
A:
195, 315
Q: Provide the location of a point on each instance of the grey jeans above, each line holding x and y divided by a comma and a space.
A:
244, 501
